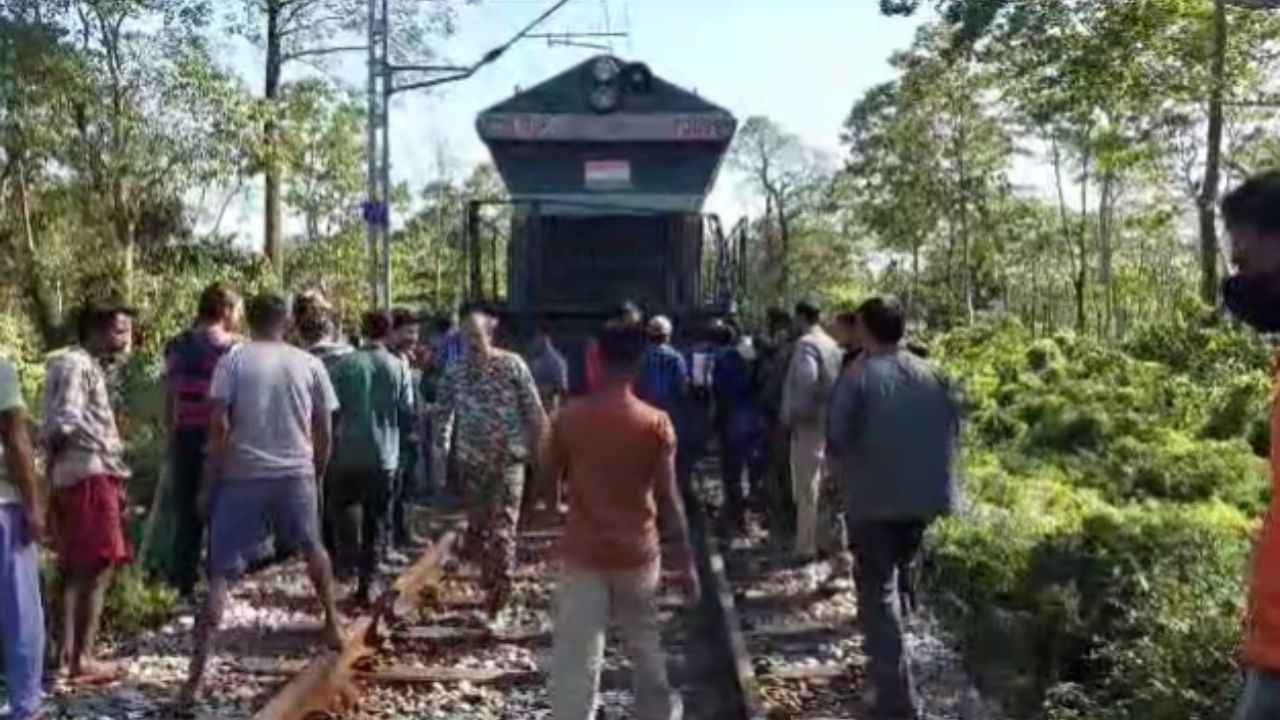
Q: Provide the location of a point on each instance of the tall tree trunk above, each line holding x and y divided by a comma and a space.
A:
1208, 199
1080, 272
1106, 202
915, 278
122, 210
271, 243
46, 319
1035, 296
1082, 247
438, 244
784, 242
962, 182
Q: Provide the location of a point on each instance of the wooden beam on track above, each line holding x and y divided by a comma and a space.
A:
328, 679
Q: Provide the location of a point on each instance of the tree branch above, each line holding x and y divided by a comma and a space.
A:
291, 9
317, 52
288, 29
222, 210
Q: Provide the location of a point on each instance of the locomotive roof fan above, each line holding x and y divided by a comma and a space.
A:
610, 78
637, 78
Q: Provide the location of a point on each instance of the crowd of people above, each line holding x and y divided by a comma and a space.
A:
294, 441
841, 443
836, 438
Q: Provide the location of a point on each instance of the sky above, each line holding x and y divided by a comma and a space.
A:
803, 63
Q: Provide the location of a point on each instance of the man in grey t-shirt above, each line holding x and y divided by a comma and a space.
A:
269, 441
892, 426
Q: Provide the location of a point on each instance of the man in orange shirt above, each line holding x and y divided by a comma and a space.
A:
1252, 215
628, 313
618, 455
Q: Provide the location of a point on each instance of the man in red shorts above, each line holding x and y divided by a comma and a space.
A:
87, 470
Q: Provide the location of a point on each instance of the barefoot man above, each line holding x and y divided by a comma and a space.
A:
269, 441
86, 467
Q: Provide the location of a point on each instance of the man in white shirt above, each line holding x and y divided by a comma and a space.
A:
21, 527
269, 442
814, 366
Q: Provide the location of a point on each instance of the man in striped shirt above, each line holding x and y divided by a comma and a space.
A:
189, 362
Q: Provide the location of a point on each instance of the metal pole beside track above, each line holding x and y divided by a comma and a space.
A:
384, 196
371, 140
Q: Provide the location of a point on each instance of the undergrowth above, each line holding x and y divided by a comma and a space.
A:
1096, 570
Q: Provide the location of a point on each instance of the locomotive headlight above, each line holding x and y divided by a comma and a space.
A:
605, 70
604, 98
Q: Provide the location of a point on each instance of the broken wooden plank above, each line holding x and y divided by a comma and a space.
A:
328, 678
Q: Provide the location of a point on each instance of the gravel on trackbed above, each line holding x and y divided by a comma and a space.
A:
821, 610
272, 623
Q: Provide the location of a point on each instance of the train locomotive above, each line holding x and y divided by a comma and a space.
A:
607, 168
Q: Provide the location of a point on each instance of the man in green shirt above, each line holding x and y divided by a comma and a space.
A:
376, 396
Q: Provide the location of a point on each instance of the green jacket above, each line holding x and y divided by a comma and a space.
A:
376, 395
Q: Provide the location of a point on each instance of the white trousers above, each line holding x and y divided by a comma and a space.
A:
586, 603
808, 445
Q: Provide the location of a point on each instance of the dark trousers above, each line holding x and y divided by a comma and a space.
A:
1261, 697
186, 469
780, 514
731, 464
358, 506
695, 436
689, 449
432, 489
403, 490
880, 549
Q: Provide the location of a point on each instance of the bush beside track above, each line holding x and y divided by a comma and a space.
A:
1096, 570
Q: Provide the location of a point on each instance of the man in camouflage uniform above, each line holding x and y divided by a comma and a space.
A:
492, 401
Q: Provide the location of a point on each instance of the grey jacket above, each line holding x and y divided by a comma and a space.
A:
892, 432
811, 373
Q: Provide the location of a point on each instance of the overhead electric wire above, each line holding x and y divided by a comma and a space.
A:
489, 57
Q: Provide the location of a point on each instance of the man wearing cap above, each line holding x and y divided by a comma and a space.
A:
664, 382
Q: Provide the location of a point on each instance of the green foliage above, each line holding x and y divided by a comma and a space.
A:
1109, 101
1096, 569
134, 603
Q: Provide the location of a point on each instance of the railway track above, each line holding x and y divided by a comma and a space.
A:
435, 657
766, 641
801, 642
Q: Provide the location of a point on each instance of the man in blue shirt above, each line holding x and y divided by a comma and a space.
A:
664, 384
448, 349
664, 377
550, 371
